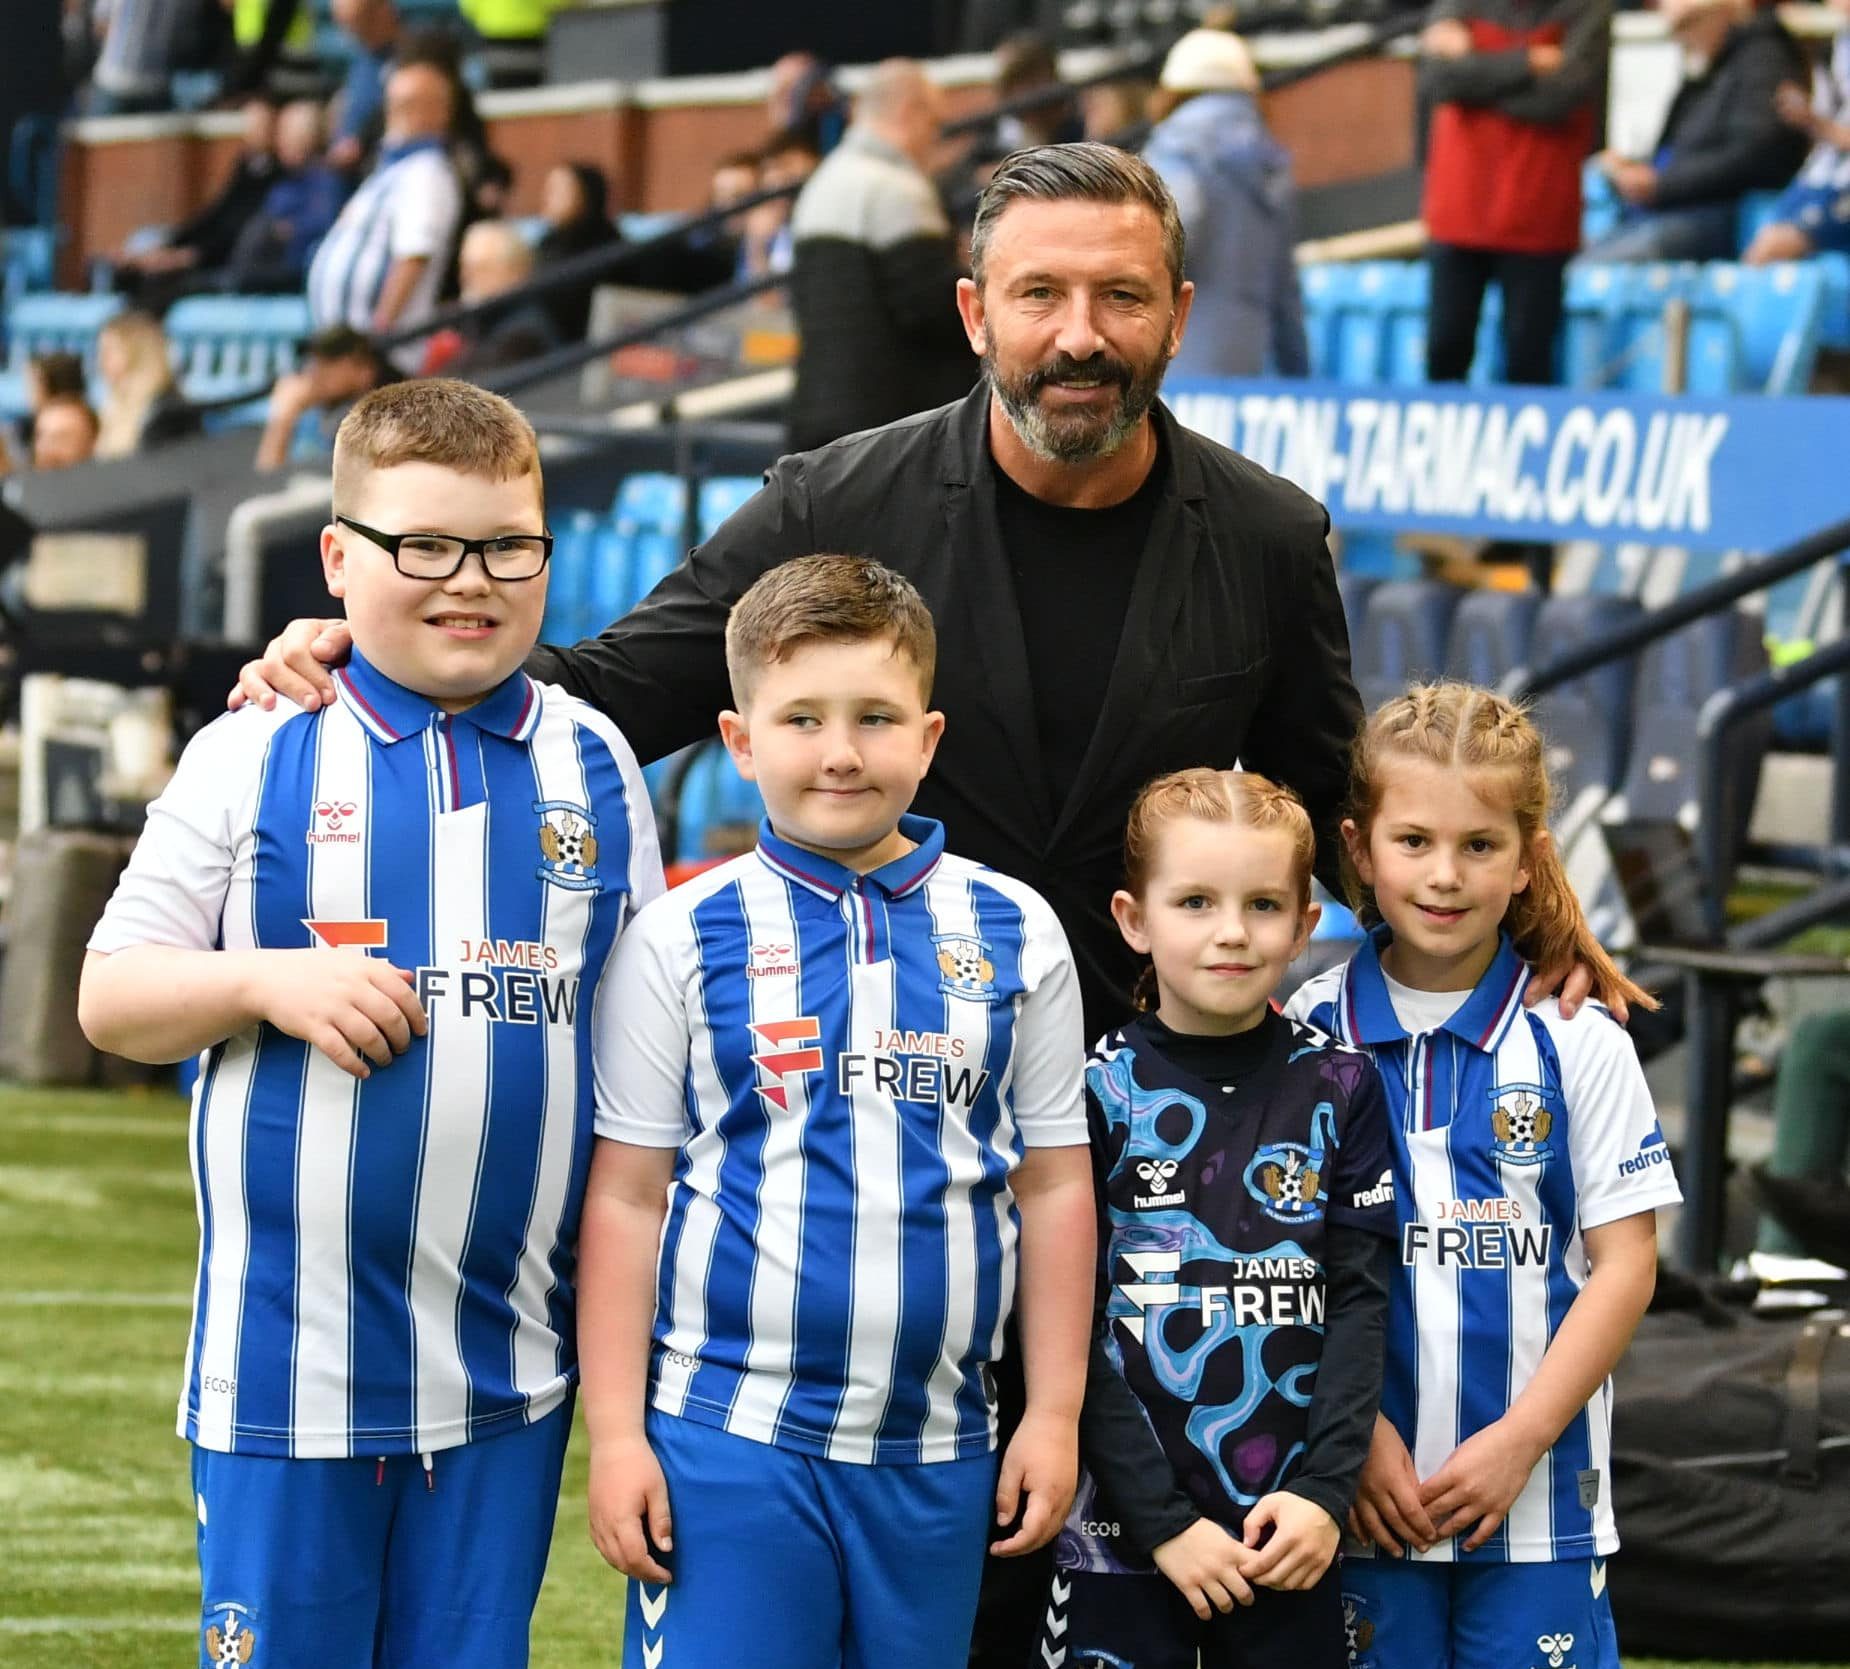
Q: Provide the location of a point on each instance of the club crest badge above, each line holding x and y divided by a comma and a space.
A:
1358, 1632
229, 1637
1520, 1124
568, 844
1286, 1178
966, 966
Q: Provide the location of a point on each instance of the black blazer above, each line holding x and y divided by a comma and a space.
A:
1234, 648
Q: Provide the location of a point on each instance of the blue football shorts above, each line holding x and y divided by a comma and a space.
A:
361, 1564
784, 1561
1420, 1614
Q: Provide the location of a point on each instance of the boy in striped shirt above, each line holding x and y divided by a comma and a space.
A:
849, 1107
385, 923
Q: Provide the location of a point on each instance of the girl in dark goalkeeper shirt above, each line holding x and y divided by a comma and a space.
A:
1246, 1223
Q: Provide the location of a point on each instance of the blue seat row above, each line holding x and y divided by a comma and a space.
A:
604, 563
1622, 738
220, 345
1751, 329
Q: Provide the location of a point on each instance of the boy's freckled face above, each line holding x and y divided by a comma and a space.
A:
452, 640
837, 738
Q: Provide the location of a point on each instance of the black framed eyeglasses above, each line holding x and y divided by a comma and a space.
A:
436, 556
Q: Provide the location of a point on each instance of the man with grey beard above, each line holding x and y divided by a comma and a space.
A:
1115, 597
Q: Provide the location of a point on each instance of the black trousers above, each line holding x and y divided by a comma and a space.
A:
1013, 1597
1144, 1621
1532, 299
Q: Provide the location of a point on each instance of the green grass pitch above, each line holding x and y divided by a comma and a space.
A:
97, 1239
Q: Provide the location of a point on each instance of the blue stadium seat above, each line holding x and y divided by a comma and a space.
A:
1487, 351
1355, 589
1645, 291
1775, 315
717, 812
1489, 637
1675, 677
1320, 284
49, 323
27, 257
56, 323
720, 495
1587, 722
223, 345
1834, 326
1365, 321
1408, 301
1403, 637
650, 520
1590, 331
1362, 323
568, 587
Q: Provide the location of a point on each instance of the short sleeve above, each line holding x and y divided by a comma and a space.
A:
1050, 1053
426, 205
641, 1036
1615, 1143
173, 891
1361, 1184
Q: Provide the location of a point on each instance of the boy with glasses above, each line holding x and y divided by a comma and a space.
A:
385, 924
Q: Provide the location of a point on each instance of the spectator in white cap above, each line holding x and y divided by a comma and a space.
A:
1232, 182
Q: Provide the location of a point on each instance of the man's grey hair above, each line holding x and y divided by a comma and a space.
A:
1085, 172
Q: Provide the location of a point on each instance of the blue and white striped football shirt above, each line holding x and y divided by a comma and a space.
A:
388, 1266
1514, 1132
851, 1066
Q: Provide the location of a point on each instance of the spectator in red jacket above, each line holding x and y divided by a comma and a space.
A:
1515, 87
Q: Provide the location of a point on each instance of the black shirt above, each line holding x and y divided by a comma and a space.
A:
1073, 572
1252, 1163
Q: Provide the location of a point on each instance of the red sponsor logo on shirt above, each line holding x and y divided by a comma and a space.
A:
789, 1051
775, 957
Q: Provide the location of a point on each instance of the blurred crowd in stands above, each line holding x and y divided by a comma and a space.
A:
385, 202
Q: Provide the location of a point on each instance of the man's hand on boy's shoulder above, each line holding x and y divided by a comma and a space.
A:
295, 666
1040, 1471
628, 1501
357, 1010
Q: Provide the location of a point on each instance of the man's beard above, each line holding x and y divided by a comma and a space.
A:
1078, 434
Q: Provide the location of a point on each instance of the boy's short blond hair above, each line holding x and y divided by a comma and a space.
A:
436, 420
827, 599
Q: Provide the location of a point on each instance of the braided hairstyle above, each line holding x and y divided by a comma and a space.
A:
1464, 728
1243, 798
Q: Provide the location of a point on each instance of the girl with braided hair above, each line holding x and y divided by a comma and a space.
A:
1528, 1163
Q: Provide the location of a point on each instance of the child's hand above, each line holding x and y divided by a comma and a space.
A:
627, 1493
353, 1008
1208, 1567
1301, 1546
1387, 1499
1479, 1480
1042, 1462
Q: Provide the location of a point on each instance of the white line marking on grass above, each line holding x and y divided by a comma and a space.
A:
97, 1625
96, 1300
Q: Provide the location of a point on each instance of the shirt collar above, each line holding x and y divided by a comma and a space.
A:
390, 712
1481, 1020
389, 154
829, 879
